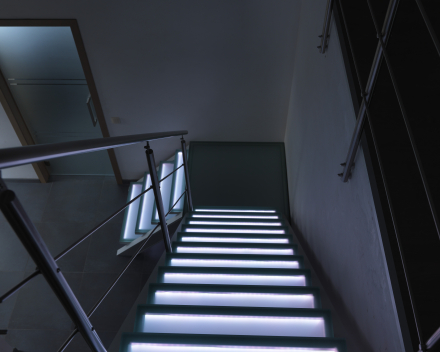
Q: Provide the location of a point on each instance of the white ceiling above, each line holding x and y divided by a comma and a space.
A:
220, 69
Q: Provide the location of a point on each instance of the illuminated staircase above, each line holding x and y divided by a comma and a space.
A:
233, 283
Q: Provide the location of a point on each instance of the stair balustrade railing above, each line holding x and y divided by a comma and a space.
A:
33, 242
364, 114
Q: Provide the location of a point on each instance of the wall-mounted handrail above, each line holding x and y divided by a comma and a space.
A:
366, 94
326, 27
10, 157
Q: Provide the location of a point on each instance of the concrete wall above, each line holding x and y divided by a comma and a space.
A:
9, 139
336, 222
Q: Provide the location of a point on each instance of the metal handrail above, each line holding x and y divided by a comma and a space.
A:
326, 27
434, 340
367, 93
10, 157
32, 240
89, 314
13, 290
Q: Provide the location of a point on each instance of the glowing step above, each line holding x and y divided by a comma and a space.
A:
234, 296
233, 248
233, 238
181, 319
230, 216
231, 222
213, 210
234, 276
234, 261
272, 230
144, 342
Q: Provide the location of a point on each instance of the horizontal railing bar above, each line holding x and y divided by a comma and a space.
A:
172, 172
97, 304
19, 285
374, 72
67, 250
10, 157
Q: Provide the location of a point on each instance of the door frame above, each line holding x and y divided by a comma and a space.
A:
13, 112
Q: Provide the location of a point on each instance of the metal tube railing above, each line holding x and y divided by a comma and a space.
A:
95, 307
435, 338
33, 242
428, 25
10, 157
367, 92
17, 287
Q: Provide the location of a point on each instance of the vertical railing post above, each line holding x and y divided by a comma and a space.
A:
158, 197
37, 249
185, 166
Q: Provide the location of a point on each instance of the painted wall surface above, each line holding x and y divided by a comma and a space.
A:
336, 221
238, 174
216, 68
9, 139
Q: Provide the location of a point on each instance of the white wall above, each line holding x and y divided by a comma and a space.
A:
336, 221
9, 139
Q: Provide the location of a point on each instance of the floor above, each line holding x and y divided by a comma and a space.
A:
63, 211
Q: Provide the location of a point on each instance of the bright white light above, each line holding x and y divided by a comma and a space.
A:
130, 224
235, 279
153, 347
235, 263
276, 232
147, 207
235, 240
234, 325
236, 211
236, 216
272, 251
178, 187
165, 187
234, 223
235, 299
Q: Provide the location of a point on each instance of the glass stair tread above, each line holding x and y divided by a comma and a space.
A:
234, 260
227, 295
234, 248
148, 342
234, 276
234, 320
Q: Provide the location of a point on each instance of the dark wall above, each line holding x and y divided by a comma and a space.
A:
416, 67
239, 174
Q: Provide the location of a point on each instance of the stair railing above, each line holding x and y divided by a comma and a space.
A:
364, 114
33, 242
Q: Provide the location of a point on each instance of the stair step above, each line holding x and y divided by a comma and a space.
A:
234, 260
144, 342
235, 222
234, 295
231, 238
232, 216
229, 209
279, 230
233, 276
258, 321
234, 248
